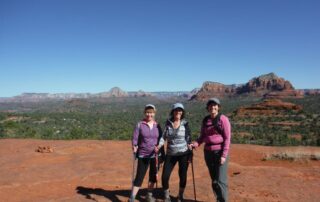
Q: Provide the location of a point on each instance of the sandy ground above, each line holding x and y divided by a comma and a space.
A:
88, 170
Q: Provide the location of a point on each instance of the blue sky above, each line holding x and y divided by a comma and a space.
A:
92, 45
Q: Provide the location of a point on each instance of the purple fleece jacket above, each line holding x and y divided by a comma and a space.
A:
146, 138
211, 137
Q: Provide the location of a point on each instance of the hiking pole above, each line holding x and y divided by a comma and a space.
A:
133, 167
194, 183
157, 168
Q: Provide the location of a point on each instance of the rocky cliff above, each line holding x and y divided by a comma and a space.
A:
264, 84
268, 85
214, 89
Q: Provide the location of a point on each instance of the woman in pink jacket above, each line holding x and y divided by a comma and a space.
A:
216, 134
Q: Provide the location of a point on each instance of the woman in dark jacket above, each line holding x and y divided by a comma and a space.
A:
178, 137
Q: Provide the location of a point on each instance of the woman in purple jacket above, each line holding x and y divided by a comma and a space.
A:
216, 134
146, 137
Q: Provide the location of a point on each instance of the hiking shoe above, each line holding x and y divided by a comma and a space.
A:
167, 196
180, 198
167, 199
150, 198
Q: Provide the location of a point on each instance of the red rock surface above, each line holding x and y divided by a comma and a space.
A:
268, 107
101, 171
284, 94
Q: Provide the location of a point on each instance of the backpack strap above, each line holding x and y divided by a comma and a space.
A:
216, 125
188, 133
215, 122
139, 138
160, 132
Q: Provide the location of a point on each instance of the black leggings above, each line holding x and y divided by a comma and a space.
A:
169, 164
143, 164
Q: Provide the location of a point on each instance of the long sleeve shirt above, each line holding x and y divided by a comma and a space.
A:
216, 139
146, 138
177, 139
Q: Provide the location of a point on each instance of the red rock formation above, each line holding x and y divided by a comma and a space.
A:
214, 89
258, 87
264, 84
267, 108
284, 94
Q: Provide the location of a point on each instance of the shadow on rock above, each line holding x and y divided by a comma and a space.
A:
112, 195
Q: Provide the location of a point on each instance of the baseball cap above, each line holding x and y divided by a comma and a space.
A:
213, 100
177, 105
148, 106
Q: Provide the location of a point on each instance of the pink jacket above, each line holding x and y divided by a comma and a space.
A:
212, 138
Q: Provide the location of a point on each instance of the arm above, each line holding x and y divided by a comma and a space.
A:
135, 136
202, 135
226, 135
163, 138
200, 139
188, 133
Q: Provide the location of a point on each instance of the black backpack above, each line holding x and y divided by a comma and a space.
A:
215, 122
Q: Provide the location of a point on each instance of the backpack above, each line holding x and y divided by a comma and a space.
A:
215, 122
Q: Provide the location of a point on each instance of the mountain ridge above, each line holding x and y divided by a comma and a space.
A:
266, 85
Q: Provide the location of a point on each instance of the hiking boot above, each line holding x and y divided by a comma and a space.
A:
150, 198
180, 198
167, 196
131, 199
167, 199
180, 195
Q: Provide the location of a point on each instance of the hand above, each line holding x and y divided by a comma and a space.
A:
222, 160
135, 149
195, 144
190, 146
156, 149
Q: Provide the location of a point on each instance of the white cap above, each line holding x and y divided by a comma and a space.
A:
150, 106
177, 105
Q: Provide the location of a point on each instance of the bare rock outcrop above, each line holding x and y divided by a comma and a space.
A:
268, 107
214, 89
264, 84
44, 149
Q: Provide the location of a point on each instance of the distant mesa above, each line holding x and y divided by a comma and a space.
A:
264, 86
37, 97
268, 107
311, 91
140, 93
214, 89
113, 92
268, 86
